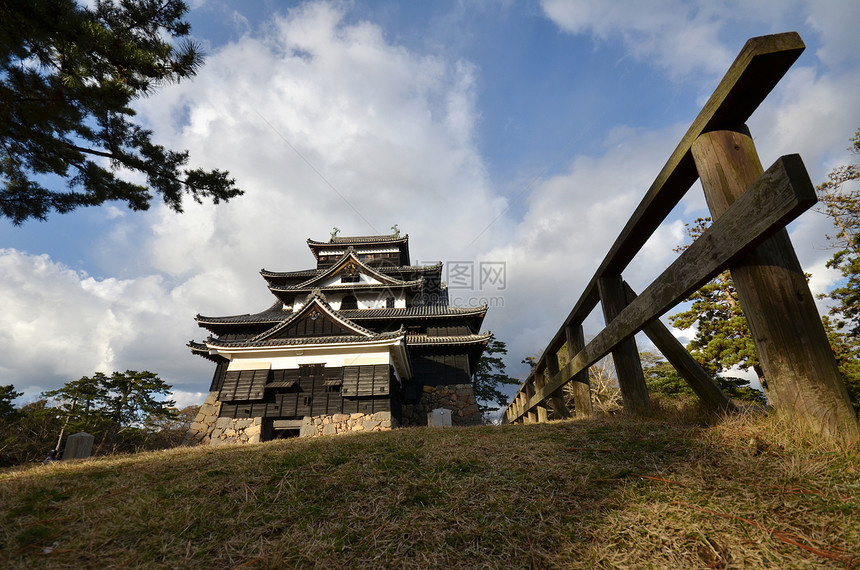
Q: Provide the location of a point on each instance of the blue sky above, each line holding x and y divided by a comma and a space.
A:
489, 131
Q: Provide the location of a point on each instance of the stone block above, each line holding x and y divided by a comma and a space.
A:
241, 424
308, 430
369, 424
78, 446
356, 416
223, 423
340, 417
440, 417
329, 429
381, 416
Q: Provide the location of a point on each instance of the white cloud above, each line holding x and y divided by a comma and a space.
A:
392, 134
679, 36
571, 222
59, 324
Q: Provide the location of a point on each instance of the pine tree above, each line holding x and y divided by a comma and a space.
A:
7, 395
722, 338
68, 77
490, 374
839, 199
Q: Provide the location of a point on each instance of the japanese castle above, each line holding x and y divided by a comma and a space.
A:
364, 341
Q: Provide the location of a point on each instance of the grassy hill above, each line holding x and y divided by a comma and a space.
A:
608, 492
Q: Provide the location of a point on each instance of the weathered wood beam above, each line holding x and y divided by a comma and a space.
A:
691, 371
777, 197
790, 340
556, 399
628, 367
759, 66
582, 405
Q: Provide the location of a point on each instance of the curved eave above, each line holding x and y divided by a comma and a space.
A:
416, 313
271, 316
314, 301
416, 284
350, 257
201, 349
361, 240
385, 269
307, 342
402, 242
460, 340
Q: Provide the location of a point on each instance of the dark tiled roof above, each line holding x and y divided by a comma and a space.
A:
349, 258
306, 340
347, 240
423, 339
273, 314
382, 269
419, 311
313, 300
348, 287
302, 273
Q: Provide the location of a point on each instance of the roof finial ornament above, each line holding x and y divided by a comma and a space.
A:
335, 230
396, 231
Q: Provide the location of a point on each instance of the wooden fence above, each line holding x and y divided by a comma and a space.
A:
750, 209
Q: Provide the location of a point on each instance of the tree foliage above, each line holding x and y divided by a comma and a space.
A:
662, 378
68, 77
7, 396
846, 350
722, 339
839, 199
99, 403
490, 375
29, 433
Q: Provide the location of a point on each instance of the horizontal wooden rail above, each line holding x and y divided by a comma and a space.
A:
760, 65
781, 194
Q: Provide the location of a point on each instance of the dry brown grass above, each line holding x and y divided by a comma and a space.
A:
669, 491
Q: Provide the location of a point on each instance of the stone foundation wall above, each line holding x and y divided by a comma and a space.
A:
459, 398
342, 423
209, 429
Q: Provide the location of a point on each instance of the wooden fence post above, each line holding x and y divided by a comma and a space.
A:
556, 400
631, 380
580, 383
796, 358
691, 371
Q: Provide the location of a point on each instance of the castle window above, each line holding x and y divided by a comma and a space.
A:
349, 302
345, 278
389, 303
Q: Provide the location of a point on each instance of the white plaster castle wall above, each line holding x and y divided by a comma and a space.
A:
370, 355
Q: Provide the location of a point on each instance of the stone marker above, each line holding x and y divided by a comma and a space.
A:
440, 417
78, 446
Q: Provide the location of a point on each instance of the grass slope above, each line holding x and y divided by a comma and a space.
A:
607, 492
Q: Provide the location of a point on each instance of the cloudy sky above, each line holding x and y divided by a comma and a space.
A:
490, 131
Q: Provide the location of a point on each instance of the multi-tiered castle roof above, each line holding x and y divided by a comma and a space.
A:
365, 312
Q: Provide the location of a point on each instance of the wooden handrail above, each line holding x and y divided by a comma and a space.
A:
758, 68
